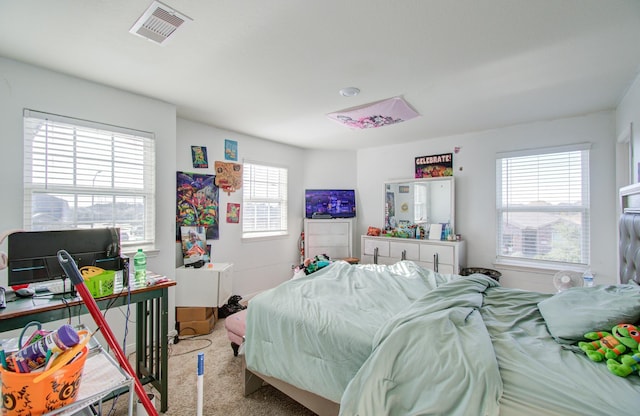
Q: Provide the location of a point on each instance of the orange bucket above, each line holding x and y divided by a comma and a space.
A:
41, 392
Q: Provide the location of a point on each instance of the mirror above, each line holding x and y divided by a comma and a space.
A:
419, 202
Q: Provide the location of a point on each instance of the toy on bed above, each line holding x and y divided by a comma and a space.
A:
623, 338
628, 364
311, 265
620, 348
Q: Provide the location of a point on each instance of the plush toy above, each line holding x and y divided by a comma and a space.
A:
624, 337
309, 266
627, 365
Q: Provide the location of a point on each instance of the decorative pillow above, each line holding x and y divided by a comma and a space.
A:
572, 313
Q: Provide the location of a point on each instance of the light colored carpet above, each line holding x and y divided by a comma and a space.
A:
223, 384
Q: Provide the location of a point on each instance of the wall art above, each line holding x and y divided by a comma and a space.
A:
197, 198
199, 157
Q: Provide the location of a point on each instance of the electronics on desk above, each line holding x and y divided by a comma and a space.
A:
33, 254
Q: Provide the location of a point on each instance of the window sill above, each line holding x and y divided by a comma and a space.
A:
131, 251
255, 237
534, 267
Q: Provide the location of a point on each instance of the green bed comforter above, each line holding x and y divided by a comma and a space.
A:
315, 332
403, 340
471, 347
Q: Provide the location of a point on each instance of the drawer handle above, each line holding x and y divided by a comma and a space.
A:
375, 255
404, 255
435, 262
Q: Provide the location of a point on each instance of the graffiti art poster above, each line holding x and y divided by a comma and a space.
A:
197, 198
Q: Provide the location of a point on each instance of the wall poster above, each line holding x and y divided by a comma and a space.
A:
434, 166
197, 198
230, 149
233, 213
199, 157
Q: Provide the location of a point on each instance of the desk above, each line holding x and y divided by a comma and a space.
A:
152, 327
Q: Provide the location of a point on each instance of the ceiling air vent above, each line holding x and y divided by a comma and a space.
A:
158, 23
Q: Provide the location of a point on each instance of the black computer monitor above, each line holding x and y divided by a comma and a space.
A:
33, 254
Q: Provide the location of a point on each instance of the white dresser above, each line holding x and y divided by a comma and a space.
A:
439, 256
332, 237
205, 286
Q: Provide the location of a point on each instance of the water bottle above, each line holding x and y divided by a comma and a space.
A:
587, 278
140, 268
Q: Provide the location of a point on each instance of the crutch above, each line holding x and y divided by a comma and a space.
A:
71, 270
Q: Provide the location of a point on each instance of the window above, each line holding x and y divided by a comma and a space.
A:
543, 207
81, 174
264, 198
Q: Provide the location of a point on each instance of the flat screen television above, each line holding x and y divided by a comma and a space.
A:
330, 203
33, 255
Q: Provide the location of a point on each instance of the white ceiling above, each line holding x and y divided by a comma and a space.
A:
273, 68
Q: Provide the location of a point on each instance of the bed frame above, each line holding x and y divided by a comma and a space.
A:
629, 228
629, 258
317, 404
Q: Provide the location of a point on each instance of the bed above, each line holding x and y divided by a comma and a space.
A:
402, 340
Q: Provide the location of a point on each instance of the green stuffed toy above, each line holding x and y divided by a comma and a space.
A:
627, 365
623, 338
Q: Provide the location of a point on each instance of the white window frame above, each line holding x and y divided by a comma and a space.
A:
81, 168
263, 185
570, 201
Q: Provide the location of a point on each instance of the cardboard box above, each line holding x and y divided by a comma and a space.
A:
193, 314
202, 327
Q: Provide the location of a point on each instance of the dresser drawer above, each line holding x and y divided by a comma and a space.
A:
411, 250
370, 245
445, 254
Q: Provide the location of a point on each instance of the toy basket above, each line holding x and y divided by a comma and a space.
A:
102, 284
41, 392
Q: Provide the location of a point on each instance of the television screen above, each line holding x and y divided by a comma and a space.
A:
330, 203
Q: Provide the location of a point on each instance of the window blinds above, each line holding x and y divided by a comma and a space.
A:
81, 174
543, 206
264, 200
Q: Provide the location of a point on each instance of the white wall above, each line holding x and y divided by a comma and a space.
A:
262, 263
474, 170
628, 112
24, 86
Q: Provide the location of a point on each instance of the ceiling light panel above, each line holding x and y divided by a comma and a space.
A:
159, 23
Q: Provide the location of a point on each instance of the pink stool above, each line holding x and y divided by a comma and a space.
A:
236, 325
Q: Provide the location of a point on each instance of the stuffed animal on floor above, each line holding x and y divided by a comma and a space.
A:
624, 337
627, 365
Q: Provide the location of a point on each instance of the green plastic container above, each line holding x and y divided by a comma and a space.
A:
102, 284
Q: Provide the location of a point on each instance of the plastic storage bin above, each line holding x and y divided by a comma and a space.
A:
101, 285
41, 392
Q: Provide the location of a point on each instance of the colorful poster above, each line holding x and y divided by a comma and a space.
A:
199, 157
434, 166
197, 203
233, 213
228, 176
230, 150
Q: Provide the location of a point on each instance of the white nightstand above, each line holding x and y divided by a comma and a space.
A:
205, 286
